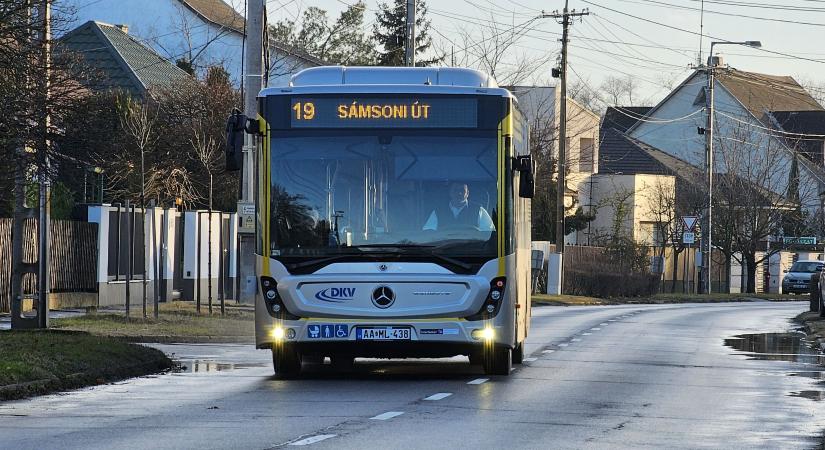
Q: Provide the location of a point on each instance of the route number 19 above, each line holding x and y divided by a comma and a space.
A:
304, 111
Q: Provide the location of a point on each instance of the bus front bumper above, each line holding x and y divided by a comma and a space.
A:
384, 338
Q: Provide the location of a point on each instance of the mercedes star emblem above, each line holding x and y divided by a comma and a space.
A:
383, 297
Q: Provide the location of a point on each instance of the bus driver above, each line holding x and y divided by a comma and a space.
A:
459, 212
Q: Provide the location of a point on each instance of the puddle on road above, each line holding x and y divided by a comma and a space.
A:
777, 347
792, 347
199, 366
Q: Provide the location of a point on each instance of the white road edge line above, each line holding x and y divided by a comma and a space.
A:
438, 396
387, 415
479, 381
313, 439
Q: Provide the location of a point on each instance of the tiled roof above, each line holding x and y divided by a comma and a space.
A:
623, 117
124, 62
761, 93
217, 12
620, 154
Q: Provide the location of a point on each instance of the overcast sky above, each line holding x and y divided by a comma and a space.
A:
655, 55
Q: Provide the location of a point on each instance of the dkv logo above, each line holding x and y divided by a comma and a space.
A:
335, 295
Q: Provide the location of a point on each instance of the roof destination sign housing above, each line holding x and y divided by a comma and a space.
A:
378, 112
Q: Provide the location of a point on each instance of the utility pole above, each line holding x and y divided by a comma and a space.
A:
707, 232
566, 17
253, 82
409, 56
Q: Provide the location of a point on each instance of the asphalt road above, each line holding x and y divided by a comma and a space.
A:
603, 377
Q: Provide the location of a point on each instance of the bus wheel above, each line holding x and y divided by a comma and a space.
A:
518, 353
476, 358
286, 362
498, 361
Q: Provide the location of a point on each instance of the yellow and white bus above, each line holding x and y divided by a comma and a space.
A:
393, 218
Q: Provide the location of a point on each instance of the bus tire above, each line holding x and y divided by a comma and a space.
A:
814, 292
286, 361
476, 358
518, 353
498, 361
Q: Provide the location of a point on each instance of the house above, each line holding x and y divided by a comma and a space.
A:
751, 111
123, 62
203, 33
541, 106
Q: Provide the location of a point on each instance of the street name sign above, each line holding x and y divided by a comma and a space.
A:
792, 240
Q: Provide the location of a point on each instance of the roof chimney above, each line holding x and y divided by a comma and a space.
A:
122, 27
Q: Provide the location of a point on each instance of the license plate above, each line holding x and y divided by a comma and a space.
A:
800, 286
383, 334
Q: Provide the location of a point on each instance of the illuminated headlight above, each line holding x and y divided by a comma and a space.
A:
271, 294
486, 334
278, 333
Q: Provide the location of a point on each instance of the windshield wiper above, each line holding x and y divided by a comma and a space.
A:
386, 246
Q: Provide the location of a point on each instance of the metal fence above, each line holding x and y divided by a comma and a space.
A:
72, 252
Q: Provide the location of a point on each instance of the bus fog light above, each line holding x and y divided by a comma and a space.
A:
277, 333
491, 308
486, 334
290, 333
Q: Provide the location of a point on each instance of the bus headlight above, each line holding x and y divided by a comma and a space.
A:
273, 302
492, 304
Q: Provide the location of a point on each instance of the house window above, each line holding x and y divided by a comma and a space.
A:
586, 155
651, 233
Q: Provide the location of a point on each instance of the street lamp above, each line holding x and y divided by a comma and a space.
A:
706, 258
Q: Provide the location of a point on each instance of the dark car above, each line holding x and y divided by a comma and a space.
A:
797, 280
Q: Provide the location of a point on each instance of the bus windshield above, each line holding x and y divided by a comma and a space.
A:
352, 193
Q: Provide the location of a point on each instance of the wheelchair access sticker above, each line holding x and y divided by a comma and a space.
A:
327, 331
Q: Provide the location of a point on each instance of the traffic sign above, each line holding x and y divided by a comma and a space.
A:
688, 237
690, 222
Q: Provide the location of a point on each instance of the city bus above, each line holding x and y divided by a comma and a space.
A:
393, 217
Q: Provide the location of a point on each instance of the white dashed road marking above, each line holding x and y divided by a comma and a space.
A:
438, 396
604, 324
586, 334
529, 359
313, 439
548, 351
575, 340
387, 415
595, 329
479, 381
563, 345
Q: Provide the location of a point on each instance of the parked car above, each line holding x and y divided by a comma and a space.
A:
798, 279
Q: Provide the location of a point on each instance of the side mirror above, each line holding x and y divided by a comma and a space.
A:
235, 130
527, 181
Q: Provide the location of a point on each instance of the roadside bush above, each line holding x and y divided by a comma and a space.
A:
601, 283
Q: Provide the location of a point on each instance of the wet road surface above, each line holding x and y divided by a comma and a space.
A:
596, 377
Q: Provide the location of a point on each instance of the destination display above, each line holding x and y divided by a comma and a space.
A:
410, 112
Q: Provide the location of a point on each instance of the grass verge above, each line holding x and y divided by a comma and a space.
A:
576, 300
176, 322
39, 362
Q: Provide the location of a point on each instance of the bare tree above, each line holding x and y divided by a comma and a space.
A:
620, 90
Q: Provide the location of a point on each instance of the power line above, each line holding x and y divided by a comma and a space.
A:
763, 49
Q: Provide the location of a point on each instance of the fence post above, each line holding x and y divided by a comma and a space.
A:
221, 267
198, 265
155, 263
128, 255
